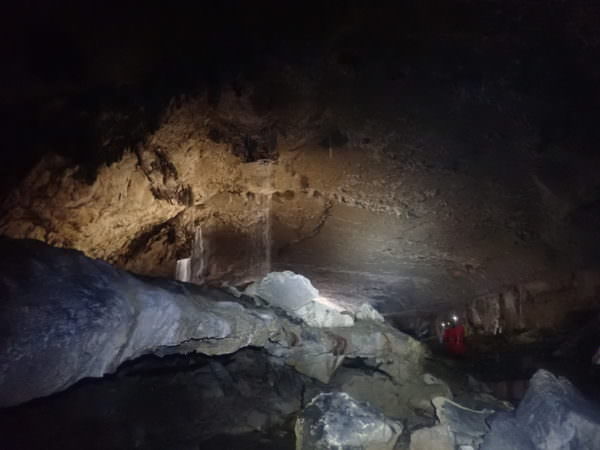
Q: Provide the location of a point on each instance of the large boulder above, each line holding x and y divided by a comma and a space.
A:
64, 317
296, 295
335, 420
553, 415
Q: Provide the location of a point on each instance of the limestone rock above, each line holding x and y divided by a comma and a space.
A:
65, 317
367, 312
367, 380
296, 295
468, 426
506, 434
432, 438
431, 380
336, 420
552, 415
400, 355
317, 355
287, 290
376, 388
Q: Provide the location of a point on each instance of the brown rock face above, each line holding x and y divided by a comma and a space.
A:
357, 210
386, 163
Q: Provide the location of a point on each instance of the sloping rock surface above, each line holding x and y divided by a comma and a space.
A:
64, 317
467, 425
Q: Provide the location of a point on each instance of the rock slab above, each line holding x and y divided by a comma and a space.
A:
64, 317
438, 437
297, 296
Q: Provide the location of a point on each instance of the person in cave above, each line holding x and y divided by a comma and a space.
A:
454, 338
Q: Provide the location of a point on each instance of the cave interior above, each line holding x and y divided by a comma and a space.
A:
250, 225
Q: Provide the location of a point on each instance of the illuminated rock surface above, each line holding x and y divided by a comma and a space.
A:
336, 420
296, 295
66, 317
367, 218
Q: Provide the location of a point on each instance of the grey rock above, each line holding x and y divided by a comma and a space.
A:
287, 290
506, 434
433, 381
314, 352
368, 312
467, 425
335, 421
438, 437
65, 317
121, 412
398, 354
376, 388
295, 294
552, 415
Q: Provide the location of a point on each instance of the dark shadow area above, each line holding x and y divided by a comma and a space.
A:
239, 401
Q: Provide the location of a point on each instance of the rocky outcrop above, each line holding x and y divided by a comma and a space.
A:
66, 317
336, 420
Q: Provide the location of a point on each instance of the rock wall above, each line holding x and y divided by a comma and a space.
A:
554, 302
414, 178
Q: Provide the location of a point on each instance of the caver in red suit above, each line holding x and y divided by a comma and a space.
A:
454, 339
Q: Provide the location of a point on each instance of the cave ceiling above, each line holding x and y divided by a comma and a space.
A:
411, 156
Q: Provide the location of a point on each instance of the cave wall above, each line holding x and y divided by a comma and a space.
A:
409, 166
558, 301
